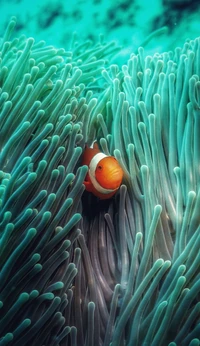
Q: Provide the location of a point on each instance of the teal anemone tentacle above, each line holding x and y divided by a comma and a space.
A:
134, 300
135, 330
76, 269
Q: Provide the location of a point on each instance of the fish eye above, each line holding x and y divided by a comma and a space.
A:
99, 167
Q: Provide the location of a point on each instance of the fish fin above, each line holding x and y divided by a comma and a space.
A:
88, 185
95, 145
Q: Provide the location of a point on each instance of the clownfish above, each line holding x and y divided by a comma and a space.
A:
104, 175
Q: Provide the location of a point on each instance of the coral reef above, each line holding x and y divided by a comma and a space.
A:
76, 270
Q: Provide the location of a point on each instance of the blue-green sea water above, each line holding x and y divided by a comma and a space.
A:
127, 22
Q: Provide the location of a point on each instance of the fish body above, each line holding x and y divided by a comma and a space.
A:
104, 175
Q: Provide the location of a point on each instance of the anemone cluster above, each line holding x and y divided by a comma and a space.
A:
76, 270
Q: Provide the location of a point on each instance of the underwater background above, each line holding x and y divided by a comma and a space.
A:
76, 270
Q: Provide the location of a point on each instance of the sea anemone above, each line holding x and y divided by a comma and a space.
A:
76, 270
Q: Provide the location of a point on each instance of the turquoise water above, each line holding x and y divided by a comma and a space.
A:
81, 270
127, 22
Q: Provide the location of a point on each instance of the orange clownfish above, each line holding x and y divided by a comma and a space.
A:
104, 175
